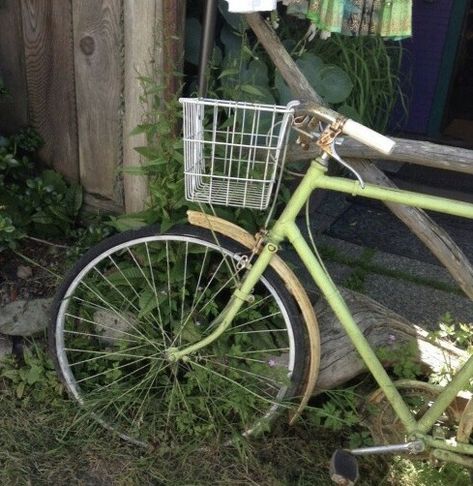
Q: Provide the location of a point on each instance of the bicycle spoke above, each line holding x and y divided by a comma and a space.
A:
168, 272
153, 321
114, 329
253, 305
183, 297
120, 316
264, 378
155, 291
105, 354
199, 280
102, 373
239, 385
118, 380
122, 313
274, 314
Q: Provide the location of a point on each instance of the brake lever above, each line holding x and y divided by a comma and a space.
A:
326, 139
330, 150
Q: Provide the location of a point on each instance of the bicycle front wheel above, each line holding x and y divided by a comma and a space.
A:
139, 293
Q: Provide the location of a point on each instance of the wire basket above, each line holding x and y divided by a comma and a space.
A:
232, 151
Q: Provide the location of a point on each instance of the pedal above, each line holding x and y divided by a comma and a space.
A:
343, 468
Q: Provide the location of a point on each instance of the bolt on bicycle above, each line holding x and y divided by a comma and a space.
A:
204, 330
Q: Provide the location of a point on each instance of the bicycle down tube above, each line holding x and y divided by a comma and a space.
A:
286, 228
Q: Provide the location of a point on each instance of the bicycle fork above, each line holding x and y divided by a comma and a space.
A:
239, 297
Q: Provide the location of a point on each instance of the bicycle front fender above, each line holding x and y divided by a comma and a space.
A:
235, 232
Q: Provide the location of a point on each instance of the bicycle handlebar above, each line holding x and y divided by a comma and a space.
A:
353, 129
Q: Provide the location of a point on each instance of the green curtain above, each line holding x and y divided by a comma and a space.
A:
387, 18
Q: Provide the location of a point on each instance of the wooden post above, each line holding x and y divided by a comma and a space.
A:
47, 28
174, 21
142, 35
99, 83
443, 247
153, 47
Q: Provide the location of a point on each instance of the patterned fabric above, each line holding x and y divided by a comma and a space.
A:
387, 18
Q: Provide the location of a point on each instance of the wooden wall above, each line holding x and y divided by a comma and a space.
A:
71, 67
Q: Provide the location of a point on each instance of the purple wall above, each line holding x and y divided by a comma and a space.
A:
430, 25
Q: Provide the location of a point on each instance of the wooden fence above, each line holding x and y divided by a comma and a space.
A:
71, 67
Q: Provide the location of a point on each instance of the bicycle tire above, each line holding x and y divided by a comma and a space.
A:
121, 307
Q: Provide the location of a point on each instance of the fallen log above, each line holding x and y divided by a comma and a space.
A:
461, 271
383, 328
412, 151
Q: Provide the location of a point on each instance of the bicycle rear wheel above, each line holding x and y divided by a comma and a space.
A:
139, 293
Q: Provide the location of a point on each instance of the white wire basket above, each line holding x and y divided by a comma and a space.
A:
233, 150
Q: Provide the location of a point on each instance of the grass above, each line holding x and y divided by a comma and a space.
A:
45, 440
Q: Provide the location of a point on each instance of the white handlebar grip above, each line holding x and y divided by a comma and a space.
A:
368, 137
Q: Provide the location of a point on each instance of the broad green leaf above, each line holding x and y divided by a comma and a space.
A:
148, 152
20, 389
237, 22
250, 89
125, 275
147, 302
256, 73
231, 42
334, 84
54, 179
124, 223
285, 94
42, 218
75, 198
34, 374
311, 66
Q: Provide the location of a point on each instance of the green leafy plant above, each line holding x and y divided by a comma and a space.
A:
458, 334
359, 76
401, 358
339, 409
373, 66
35, 379
33, 201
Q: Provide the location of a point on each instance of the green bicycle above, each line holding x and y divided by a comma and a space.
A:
203, 331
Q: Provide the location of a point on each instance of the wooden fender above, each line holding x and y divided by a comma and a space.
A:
292, 283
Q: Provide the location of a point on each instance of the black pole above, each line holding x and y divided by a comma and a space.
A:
207, 44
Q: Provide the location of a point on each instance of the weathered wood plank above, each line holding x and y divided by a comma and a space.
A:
13, 111
413, 151
47, 33
140, 30
173, 25
99, 83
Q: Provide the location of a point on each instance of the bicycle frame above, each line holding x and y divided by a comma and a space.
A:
285, 228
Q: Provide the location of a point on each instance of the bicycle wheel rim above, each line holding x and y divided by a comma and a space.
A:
64, 359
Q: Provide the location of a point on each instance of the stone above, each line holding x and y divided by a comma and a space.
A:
24, 272
25, 317
112, 327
